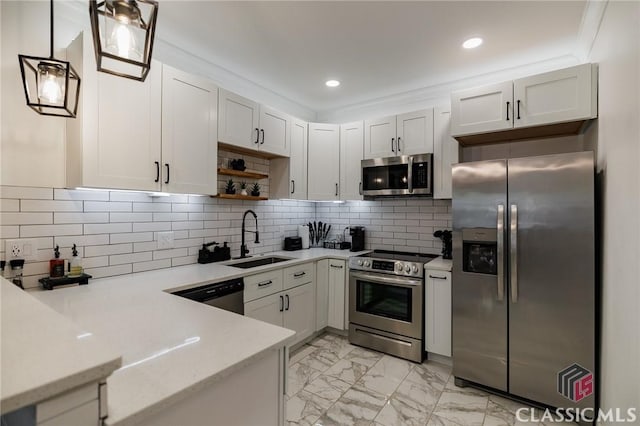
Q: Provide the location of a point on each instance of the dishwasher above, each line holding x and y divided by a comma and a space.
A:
227, 295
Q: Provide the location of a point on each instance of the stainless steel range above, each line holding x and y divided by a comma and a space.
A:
386, 302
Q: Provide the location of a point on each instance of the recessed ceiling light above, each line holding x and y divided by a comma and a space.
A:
332, 83
472, 43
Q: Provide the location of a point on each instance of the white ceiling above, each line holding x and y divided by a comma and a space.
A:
374, 48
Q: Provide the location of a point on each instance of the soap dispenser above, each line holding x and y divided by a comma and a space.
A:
56, 265
76, 263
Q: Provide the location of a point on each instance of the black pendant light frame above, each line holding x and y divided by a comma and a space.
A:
97, 10
29, 69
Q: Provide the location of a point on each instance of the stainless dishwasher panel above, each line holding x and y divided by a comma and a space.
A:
227, 295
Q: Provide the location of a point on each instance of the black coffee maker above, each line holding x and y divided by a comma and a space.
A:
357, 238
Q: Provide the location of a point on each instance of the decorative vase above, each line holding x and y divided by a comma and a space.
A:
243, 192
255, 194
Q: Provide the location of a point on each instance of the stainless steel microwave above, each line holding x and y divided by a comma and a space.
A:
402, 175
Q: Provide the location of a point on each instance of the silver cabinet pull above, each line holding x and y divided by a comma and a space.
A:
299, 274
265, 283
514, 253
500, 240
437, 277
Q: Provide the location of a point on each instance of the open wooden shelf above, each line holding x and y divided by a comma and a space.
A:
240, 197
238, 173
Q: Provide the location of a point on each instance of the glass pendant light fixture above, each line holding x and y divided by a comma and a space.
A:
51, 86
123, 33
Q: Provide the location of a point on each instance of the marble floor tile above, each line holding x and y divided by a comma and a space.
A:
298, 377
385, 376
305, 408
358, 406
320, 359
327, 387
347, 371
436, 420
363, 356
300, 353
411, 405
463, 408
431, 373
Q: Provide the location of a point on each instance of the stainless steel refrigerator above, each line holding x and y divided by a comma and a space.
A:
524, 277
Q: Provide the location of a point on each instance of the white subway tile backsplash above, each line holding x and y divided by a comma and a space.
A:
167, 254
26, 218
82, 240
151, 207
46, 230
106, 250
131, 237
130, 217
119, 259
109, 271
186, 260
9, 205
130, 196
26, 192
106, 206
62, 217
181, 208
151, 226
50, 206
169, 217
148, 246
153, 264
107, 228
72, 194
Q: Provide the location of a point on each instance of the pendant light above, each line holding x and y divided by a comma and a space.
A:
51, 86
123, 33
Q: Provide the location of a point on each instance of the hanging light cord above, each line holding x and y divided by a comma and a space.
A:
51, 29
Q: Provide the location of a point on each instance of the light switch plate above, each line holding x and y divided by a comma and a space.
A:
165, 240
24, 248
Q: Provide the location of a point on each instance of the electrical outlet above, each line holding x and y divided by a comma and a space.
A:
165, 240
24, 248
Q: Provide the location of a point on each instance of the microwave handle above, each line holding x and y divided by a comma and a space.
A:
410, 175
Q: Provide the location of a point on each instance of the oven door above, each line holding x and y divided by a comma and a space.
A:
387, 303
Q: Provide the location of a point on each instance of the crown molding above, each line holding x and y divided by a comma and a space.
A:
589, 27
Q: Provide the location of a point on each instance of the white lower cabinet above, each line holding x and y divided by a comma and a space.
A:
337, 294
299, 310
322, 294
268, 309
80, 406
438, 312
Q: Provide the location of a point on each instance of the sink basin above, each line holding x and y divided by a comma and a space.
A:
261, 261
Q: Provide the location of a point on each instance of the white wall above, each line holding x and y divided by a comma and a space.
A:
617, 50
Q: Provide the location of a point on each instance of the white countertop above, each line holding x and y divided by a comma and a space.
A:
440, 264
43, 353
170, 346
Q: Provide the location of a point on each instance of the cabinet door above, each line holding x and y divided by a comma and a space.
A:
238, 119
298, 160
324, 162
482, 110
275, 131
415, 132
351, 154
322, 294
337, 290
189, 129
128, 132
438, 312
268, 309
300, 313
380, 137
445, 153
555, 97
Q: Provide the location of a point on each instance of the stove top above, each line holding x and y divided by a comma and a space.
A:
392, 262
400, 255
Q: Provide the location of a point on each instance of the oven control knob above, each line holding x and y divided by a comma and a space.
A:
415, 269
367, 263
399, 267
407, 268
359, 262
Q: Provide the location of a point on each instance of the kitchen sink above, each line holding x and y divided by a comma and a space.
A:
259, 262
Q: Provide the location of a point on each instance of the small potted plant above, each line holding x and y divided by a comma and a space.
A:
255, 189
230, 188
243, 188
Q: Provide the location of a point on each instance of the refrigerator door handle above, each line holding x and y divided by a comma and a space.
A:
500, 240
513, 255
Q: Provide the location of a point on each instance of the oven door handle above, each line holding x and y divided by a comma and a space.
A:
381, 279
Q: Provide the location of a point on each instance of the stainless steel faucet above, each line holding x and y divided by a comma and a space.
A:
243, 247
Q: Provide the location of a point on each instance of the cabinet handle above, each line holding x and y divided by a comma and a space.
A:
437, 277
293, 186
360, 188
262, 131
299, 274
168, 172
287, 305
518, 110
508, 103
398, 144
281, 303
265, 283
392, 148
157, 171
257, 135
336, 189
336, 266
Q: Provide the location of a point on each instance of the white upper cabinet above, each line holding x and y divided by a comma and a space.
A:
445, 153
246, 124
405, 134
414, 132
288, 176
563, 98
555, 97
189, 133
323, 181
115, 140
380, 137
351, 154
482, 109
